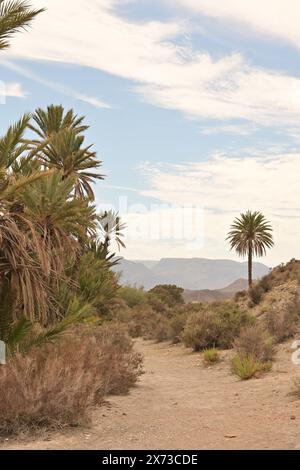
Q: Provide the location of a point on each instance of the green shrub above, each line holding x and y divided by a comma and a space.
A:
133, 296
254, 341
211, 356
246, 367
230, 320
156, 303
170, 295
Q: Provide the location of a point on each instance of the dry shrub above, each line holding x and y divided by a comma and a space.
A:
283, 324
120, 364
201, 331
55, 385
215, 326
176, 326
256, 293
256, 342
160, 331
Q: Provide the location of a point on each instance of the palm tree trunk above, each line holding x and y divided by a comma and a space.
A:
250, 281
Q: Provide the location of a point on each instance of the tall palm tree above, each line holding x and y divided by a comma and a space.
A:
250, 235
15, 15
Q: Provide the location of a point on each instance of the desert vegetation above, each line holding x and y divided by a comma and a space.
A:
68, 325
252, 330
57, 288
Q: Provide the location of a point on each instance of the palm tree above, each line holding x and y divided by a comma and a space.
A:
110, 230
15, 15
251, 235
62, 222
54, 119
61, 146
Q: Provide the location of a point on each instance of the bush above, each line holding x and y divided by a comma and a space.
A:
55, 385
283, 324
160, 330
176, 327
230, 320
201, 331
256, 293
246, 367
170, 295
211, 356
255, 342
133, 296
215, 326
240, 295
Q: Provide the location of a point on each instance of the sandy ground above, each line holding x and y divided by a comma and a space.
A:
180, 404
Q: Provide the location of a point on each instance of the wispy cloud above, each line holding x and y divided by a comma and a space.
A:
275, 18
166, 74
58, 87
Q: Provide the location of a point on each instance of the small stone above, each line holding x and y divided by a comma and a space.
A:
293, 418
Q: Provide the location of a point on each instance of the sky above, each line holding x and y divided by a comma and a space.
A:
193, 107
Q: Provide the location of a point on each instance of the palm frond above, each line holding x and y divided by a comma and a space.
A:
15, 16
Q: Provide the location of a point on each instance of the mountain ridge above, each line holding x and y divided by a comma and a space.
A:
188, 273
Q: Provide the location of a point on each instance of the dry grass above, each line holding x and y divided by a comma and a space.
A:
54, 386
254, 341
211, 356
247, 367
283, 323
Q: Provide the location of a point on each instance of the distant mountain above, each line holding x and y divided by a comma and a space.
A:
192, 273
207, 295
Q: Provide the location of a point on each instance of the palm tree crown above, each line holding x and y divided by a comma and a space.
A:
251, 235
15, 15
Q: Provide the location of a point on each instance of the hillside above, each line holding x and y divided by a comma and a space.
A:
207, 295
191, 274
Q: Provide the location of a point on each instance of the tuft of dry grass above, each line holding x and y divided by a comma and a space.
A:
54, 386
211, 356
247, 367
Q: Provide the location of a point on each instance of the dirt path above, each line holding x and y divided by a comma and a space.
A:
180, 404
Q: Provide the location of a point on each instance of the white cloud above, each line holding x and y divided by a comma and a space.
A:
15, 90
58, 87
276, 18
166, 74
224, 187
